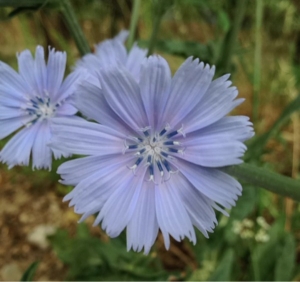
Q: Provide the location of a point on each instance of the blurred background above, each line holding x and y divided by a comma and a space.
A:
258, 42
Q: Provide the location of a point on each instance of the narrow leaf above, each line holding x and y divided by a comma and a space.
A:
30, 272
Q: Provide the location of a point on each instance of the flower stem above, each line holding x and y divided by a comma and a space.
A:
74, 27
264, 178
133, 22
257, 59
231, 37
160, 7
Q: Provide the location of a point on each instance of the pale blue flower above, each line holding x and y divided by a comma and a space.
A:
28, 101
154, 155
112, 52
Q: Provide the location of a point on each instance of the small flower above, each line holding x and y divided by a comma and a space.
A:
28, 101
262, 236
112, 52
153, 161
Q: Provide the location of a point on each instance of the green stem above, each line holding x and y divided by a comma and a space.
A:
231, 37
257, 59
74, 27
133, 22
153, 38
264, 178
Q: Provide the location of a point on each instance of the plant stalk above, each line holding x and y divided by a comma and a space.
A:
266, 179
74, 27
133, 22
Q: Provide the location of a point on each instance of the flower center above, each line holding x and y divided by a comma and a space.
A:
155, 151
40, 109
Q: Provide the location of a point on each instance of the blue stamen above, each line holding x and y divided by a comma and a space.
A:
166, 164
172, 134
139, 160
159, 166
168, 143
132, 146
151, 169
164, 154
149, 159
163, 132
172, 150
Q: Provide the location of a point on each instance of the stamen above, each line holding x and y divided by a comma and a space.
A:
167, 166
139, 160
166, 128
170, 135
160, 167
133, 146
169, 143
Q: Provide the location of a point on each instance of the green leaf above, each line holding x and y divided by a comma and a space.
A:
264, 178
223, 270
21, 3
30, 272
286, 260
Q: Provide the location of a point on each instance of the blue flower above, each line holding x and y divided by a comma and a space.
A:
112, 52
154, 155
28, 101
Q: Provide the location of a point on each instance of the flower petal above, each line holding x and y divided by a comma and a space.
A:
208, 152
142, 229
87, 138
214, 184
91, 102
189, 85
111, 53
217, 103
122, 93
41, 153
8, 126
40, 69
55, 70
26, 70
69, 86
171, 214
18, 148
93, 191
134, 60
155, 85
125, 197
76, 170
12, 83
198, 205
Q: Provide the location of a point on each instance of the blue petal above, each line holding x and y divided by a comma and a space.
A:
111, 53
41, 153
142, 229
134, 60
125, 197
91, 102
189, 85
55, 70
69, 86
18, 148
218, 101
8, 126
26, 70
155, 88
214, 184
171, 214
123, 95
86, 138
40, 69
